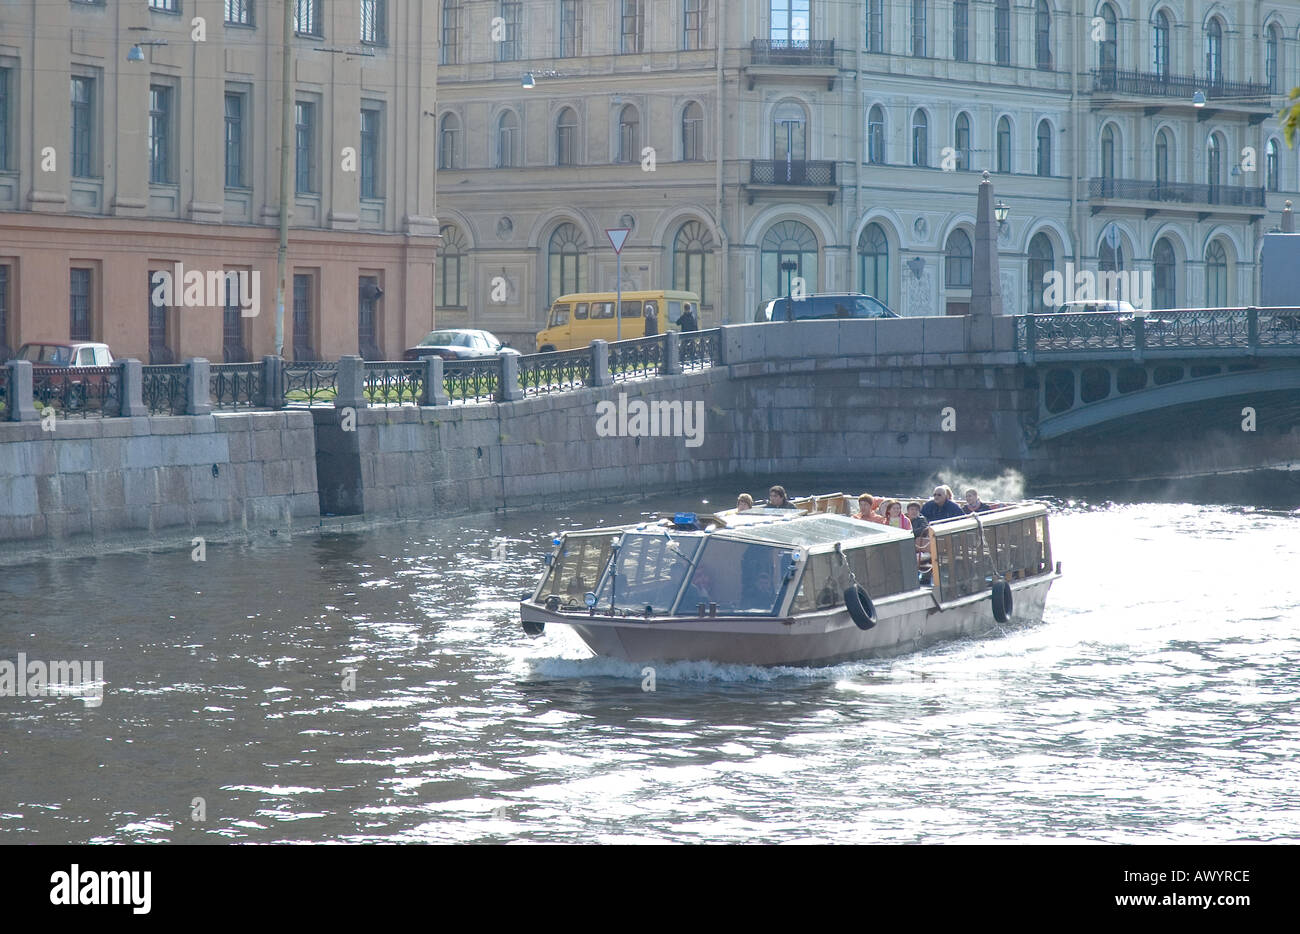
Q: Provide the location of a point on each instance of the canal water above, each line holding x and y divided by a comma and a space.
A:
1157, 702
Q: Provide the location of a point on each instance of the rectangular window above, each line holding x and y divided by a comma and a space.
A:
960, 30
307, 18
371, 130
1002, 32
232, 324
508, 49
166, 6
79, 305
83, 126
302, 349
239, 12
4, 124
695, 15
157, 321
368, 317
875, 25
305, 146
632, 38
693, 133
235, 140
449, 51
919, 29
160, 134
374, 26
570, 28
4, 310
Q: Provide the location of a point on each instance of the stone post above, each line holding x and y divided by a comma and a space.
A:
21, 408
272, 382
600, 363
986, 283
351, 383
510, 389
435, 389
130, 387
1288, 219
672, 365
198, 400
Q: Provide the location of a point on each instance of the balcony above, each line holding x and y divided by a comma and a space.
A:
782, 175
1176, 198
1176, 92
792, 58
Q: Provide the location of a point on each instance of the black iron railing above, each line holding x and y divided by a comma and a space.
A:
563, 370
636, 357
235, 385
1151, 84
394, 382
165, 388
791, 172
80, 392
819, 52
472, 380
1192, 329
699, 349
1176, 192
311, 383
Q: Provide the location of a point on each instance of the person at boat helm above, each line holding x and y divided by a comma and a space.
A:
942, 506
699, 590
776, 498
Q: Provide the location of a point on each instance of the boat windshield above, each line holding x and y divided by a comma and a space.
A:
742, 578
648, 571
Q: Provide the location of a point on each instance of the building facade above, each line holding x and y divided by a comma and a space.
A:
749, 142
139, 136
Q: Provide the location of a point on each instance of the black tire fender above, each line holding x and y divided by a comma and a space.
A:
1002, 601
861, 609
533, 629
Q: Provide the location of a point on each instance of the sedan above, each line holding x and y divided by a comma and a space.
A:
458, 344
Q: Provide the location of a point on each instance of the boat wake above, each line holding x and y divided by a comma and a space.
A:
563, 668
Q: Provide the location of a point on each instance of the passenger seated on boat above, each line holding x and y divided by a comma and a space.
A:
913, 512
867, 509
921, 536
942, 506
893, 513
699, 590
973, 503
744, 501
776, 499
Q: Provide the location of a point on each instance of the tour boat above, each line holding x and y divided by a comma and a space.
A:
808, 585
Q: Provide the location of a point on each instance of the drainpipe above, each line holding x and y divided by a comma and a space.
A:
1076, 216
857, 143
286, 154
725, 245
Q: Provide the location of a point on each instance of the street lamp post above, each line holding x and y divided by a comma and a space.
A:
789, 266
286, 139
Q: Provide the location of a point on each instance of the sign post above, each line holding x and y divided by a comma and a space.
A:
617, 237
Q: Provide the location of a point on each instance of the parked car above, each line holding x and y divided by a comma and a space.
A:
67, 354
1095, 305
822, 306
458, 344
58, 373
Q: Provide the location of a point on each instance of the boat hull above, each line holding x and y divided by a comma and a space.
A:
905, 623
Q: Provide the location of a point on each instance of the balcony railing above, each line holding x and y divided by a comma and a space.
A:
1176, 192
1150, 84
816, 52
787, 172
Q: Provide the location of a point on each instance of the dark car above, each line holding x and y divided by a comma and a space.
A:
458, 344
827, 305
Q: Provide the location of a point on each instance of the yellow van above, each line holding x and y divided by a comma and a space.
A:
578, 319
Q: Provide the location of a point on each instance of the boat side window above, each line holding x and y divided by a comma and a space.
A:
820, 588
559, 315
757, 589
580, 311
578, 567
647, 572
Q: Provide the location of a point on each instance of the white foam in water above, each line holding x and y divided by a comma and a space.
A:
595, 666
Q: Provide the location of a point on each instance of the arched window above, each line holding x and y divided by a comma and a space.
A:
1272, 45
1213, 163
1043, 152
788, 244
1163, 294
789, 133
449, 142
451, 281
693, 260
1002, 32
920, 138
693, 132
629, 134
961, 139
1214, 50
1109, 260
565, 272
1271, 165
961, 30
875, 25
566, 137
873, 262
876, 135
958, 259
507, 140
1161, 51
920, 30
1216, 276
1108, 51
1108, 152
1004, 145
1042, 261
1162, 157
1042, 36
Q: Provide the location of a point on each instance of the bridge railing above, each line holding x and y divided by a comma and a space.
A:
1177, 330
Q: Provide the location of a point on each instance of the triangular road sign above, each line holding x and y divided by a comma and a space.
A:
617, 237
